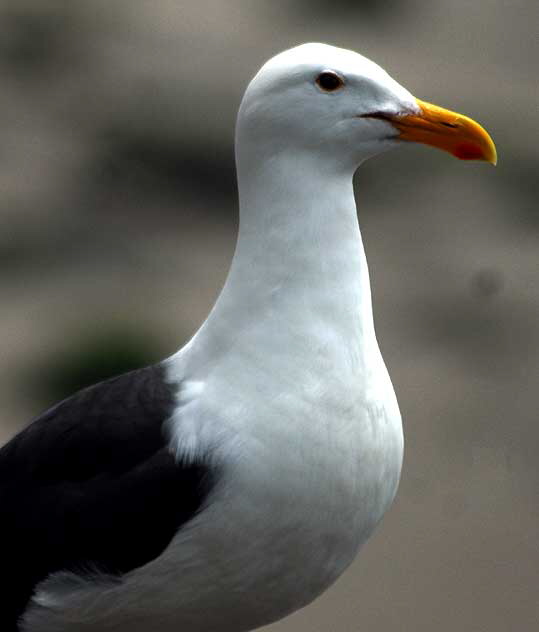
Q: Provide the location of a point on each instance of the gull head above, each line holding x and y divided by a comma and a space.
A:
344, 108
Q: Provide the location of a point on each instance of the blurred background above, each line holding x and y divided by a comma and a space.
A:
118, 221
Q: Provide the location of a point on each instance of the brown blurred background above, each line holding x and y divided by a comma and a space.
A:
118, 219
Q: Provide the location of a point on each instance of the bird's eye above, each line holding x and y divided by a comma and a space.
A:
329, 81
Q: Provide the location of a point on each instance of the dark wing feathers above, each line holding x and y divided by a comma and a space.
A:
90, 484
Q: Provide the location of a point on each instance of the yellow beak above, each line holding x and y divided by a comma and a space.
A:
452, 132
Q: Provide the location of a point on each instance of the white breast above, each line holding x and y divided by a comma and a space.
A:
308, 447
298, 495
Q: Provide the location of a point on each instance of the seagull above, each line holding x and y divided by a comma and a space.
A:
232, 483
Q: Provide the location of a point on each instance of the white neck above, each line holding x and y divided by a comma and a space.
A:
299, 275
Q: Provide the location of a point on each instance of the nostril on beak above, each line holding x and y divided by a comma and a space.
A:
453, 125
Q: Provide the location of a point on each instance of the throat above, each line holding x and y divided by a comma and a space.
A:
299, 254
297, 295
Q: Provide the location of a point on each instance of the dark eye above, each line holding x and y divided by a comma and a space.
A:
329, 81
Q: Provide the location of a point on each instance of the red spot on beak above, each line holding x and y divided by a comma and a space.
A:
467, 151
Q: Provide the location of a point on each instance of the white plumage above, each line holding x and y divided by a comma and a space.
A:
283, 388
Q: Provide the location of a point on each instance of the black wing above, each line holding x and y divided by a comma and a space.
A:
90, 484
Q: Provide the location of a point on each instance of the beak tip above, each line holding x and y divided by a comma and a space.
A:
473, 151
491, 155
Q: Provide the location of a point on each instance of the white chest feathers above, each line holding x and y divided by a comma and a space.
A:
307, 470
